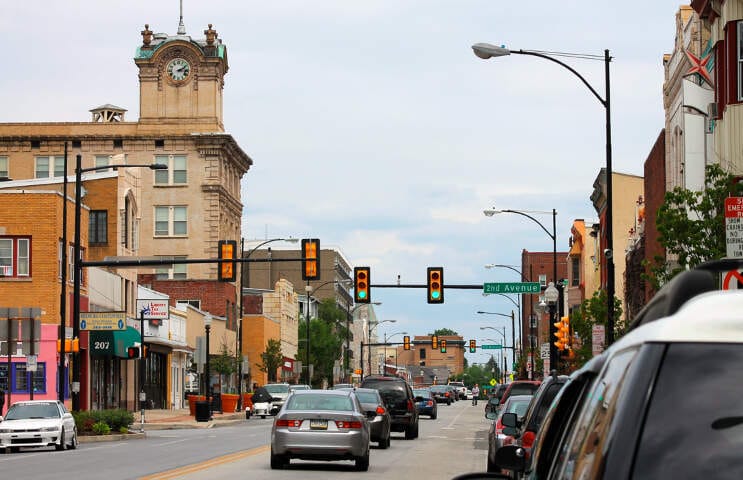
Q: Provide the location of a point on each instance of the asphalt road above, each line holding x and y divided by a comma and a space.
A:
453, 444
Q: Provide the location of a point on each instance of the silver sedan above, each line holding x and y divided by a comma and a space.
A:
38, 423
321, 425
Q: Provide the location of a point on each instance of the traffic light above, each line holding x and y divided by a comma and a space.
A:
70, 345
406, 342
443, 346
361, 290
227, 270
562, 333
145, 351
435, 284
132, 352
310, 259
473, 346
434, 342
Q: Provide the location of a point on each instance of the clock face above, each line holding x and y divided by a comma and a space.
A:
178, 69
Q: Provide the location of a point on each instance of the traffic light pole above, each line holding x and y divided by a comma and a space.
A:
142, 373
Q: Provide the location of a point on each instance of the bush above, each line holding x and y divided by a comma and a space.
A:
115, 420
101, 428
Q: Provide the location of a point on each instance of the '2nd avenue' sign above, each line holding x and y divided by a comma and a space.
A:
512, 287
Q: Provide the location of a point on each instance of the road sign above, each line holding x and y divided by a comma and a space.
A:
544, 351
102, 320
491, 347
31, 363
492, 382
512, 287
732, 274
734, 226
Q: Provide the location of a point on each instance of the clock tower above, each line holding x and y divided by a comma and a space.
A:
181, 79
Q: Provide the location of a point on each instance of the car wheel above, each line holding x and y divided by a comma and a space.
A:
448, 402
492, 467
262, 416
74, 442
61, 445
434, 415
278, 461
362, 463
14, 449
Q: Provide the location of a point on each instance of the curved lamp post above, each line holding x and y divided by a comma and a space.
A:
513, 333
502, 334
77, 268
486, 51
518, 305
369, 329
348, 337
386, 338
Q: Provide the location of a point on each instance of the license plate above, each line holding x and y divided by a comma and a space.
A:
318, 424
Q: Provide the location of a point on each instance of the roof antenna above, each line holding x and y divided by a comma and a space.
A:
181, 27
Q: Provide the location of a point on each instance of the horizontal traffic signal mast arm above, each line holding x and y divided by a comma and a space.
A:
146, 262
423, 285
449, 343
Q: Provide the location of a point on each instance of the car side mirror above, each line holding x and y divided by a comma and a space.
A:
510, 420
511, 431
491, 415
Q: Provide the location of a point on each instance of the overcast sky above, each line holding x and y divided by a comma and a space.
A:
374, 127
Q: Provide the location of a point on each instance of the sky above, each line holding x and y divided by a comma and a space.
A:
374, 127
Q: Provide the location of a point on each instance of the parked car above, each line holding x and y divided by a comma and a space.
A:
497, 435
400, 401
377, 413
293, 388
639, 418
453, 392
468, 394
321, 425
460, 389
37, 423
425, 402
441, 394
519, 387
338, 386
495, 396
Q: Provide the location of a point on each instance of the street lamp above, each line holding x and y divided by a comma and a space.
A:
77, 268
207, 328
503, 335
368, 338
308, 289
551, 294
518, 305
513, 333
388, 337
348, 335
486, 51
240, 309
553, 236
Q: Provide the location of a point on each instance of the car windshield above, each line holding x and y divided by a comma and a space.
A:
35, 410
367, 397
277, 388
518, 407
439, 388
320, 401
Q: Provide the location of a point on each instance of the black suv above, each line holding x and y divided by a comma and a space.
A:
400, 401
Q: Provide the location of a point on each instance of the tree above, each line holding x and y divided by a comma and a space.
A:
591, 312
327, 339
441, 332
691, 225
271, 359
225, 364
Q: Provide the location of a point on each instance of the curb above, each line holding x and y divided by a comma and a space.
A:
116, 437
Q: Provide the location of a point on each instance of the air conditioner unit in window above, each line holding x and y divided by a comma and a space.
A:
6, 270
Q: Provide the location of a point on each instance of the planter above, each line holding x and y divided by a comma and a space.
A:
229, 402
248, 400
192, 399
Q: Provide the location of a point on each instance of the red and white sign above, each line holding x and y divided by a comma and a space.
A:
598, 335
153, 309
734, 226
732, 274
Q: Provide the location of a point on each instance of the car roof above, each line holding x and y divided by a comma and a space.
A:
520, 398
340, 391
35, 402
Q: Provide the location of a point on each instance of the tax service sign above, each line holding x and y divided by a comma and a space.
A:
153, 309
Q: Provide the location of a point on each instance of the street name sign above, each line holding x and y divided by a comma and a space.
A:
102, 320
512, 287
491, 347
734, 226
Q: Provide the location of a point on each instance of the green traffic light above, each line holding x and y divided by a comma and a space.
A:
435, 295
362, 294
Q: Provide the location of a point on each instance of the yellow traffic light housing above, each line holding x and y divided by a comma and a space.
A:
406, 342
435, 284
310, 259
361, 290
473, 346
443, 346
434, 342
227, 250
70, 345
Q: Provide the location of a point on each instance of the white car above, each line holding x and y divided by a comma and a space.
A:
38, 423
467, 394
460, 388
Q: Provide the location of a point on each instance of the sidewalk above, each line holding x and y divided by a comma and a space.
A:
180, 418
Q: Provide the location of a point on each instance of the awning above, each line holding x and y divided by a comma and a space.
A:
113, 342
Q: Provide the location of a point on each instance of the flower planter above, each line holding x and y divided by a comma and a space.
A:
229, 402
192, 399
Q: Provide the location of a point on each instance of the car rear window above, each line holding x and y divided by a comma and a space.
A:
523, 389
367, 397
694, 426
320, 402
544, 404
518, 407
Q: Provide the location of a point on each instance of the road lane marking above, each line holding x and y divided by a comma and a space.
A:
173, 442
196, 467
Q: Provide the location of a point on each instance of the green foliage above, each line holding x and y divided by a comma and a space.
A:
592, 312
327, 335
441, 332
271, 359
691, 225
480, 373
116, 420
123, 430
101, 428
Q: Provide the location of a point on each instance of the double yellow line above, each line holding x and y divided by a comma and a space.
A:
198, 467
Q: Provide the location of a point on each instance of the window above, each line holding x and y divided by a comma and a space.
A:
118, 143
739, 58
176, 272
159, 143
176, 174
422, 353
49, 167
4, 167
20, 378
77, 144
543, 279
171, 221
102, 161
15, 257
98, 227
575, 276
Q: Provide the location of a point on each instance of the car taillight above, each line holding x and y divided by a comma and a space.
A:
352, 424
527, 440
380, 410
498, 427
411, 405
429, 403
288, 423
446, 394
